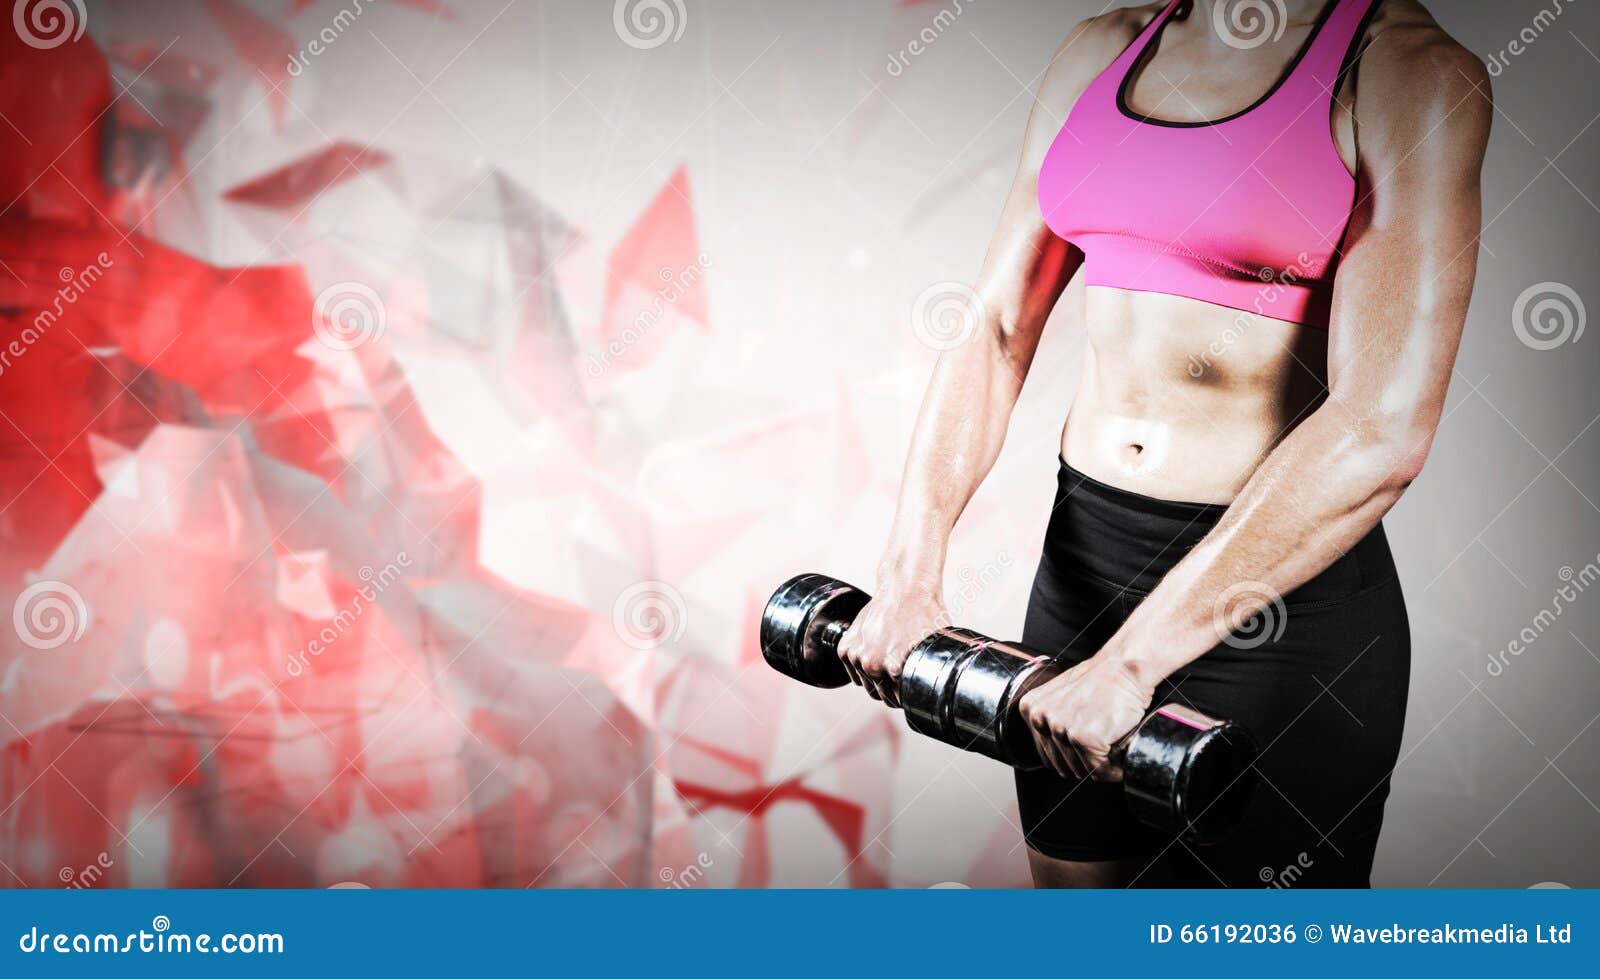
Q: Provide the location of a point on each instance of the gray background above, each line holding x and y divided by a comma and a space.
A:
1499, 778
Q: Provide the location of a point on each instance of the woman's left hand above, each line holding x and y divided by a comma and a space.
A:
1077, 717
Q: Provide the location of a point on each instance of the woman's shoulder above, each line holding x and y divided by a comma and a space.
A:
1409, 26
1420, 56
1422, 98
1110, 31
1089, 48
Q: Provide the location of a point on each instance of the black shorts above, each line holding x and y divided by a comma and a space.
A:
1319, 679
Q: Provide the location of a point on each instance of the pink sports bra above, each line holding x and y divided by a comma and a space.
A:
1246, 211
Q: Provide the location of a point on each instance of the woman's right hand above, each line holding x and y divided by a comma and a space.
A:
875, 648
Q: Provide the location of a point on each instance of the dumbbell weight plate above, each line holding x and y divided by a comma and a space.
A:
960, 687
1189, 774
928, 678
983, 706
801, 626
1016, 737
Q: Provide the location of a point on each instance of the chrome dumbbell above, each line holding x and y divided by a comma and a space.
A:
1183, 772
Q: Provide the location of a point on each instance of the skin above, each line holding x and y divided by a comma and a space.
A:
1310, 437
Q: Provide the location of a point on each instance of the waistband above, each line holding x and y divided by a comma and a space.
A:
1078, 482
1130, 541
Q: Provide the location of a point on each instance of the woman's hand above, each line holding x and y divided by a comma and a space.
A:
875, 648
1077, 717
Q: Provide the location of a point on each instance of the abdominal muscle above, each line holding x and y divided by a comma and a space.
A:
1182, 399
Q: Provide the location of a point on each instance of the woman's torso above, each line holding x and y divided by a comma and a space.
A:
1142, 421
1181, 398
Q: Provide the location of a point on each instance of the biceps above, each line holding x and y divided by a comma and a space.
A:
1411, 254
1400, 305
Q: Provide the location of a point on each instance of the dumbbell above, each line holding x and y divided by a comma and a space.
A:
1183, 772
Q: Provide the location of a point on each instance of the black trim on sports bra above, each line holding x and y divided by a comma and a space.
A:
1145, 54
1352, 55
1356, 50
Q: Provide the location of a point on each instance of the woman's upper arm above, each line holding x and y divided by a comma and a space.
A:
1405, 278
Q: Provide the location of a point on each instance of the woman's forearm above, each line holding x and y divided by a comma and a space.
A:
962, 423
960, 429
1313, 498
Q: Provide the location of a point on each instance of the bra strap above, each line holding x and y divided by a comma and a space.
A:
1335, 48
1132, 53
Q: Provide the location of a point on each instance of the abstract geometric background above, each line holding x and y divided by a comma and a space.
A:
407, 405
